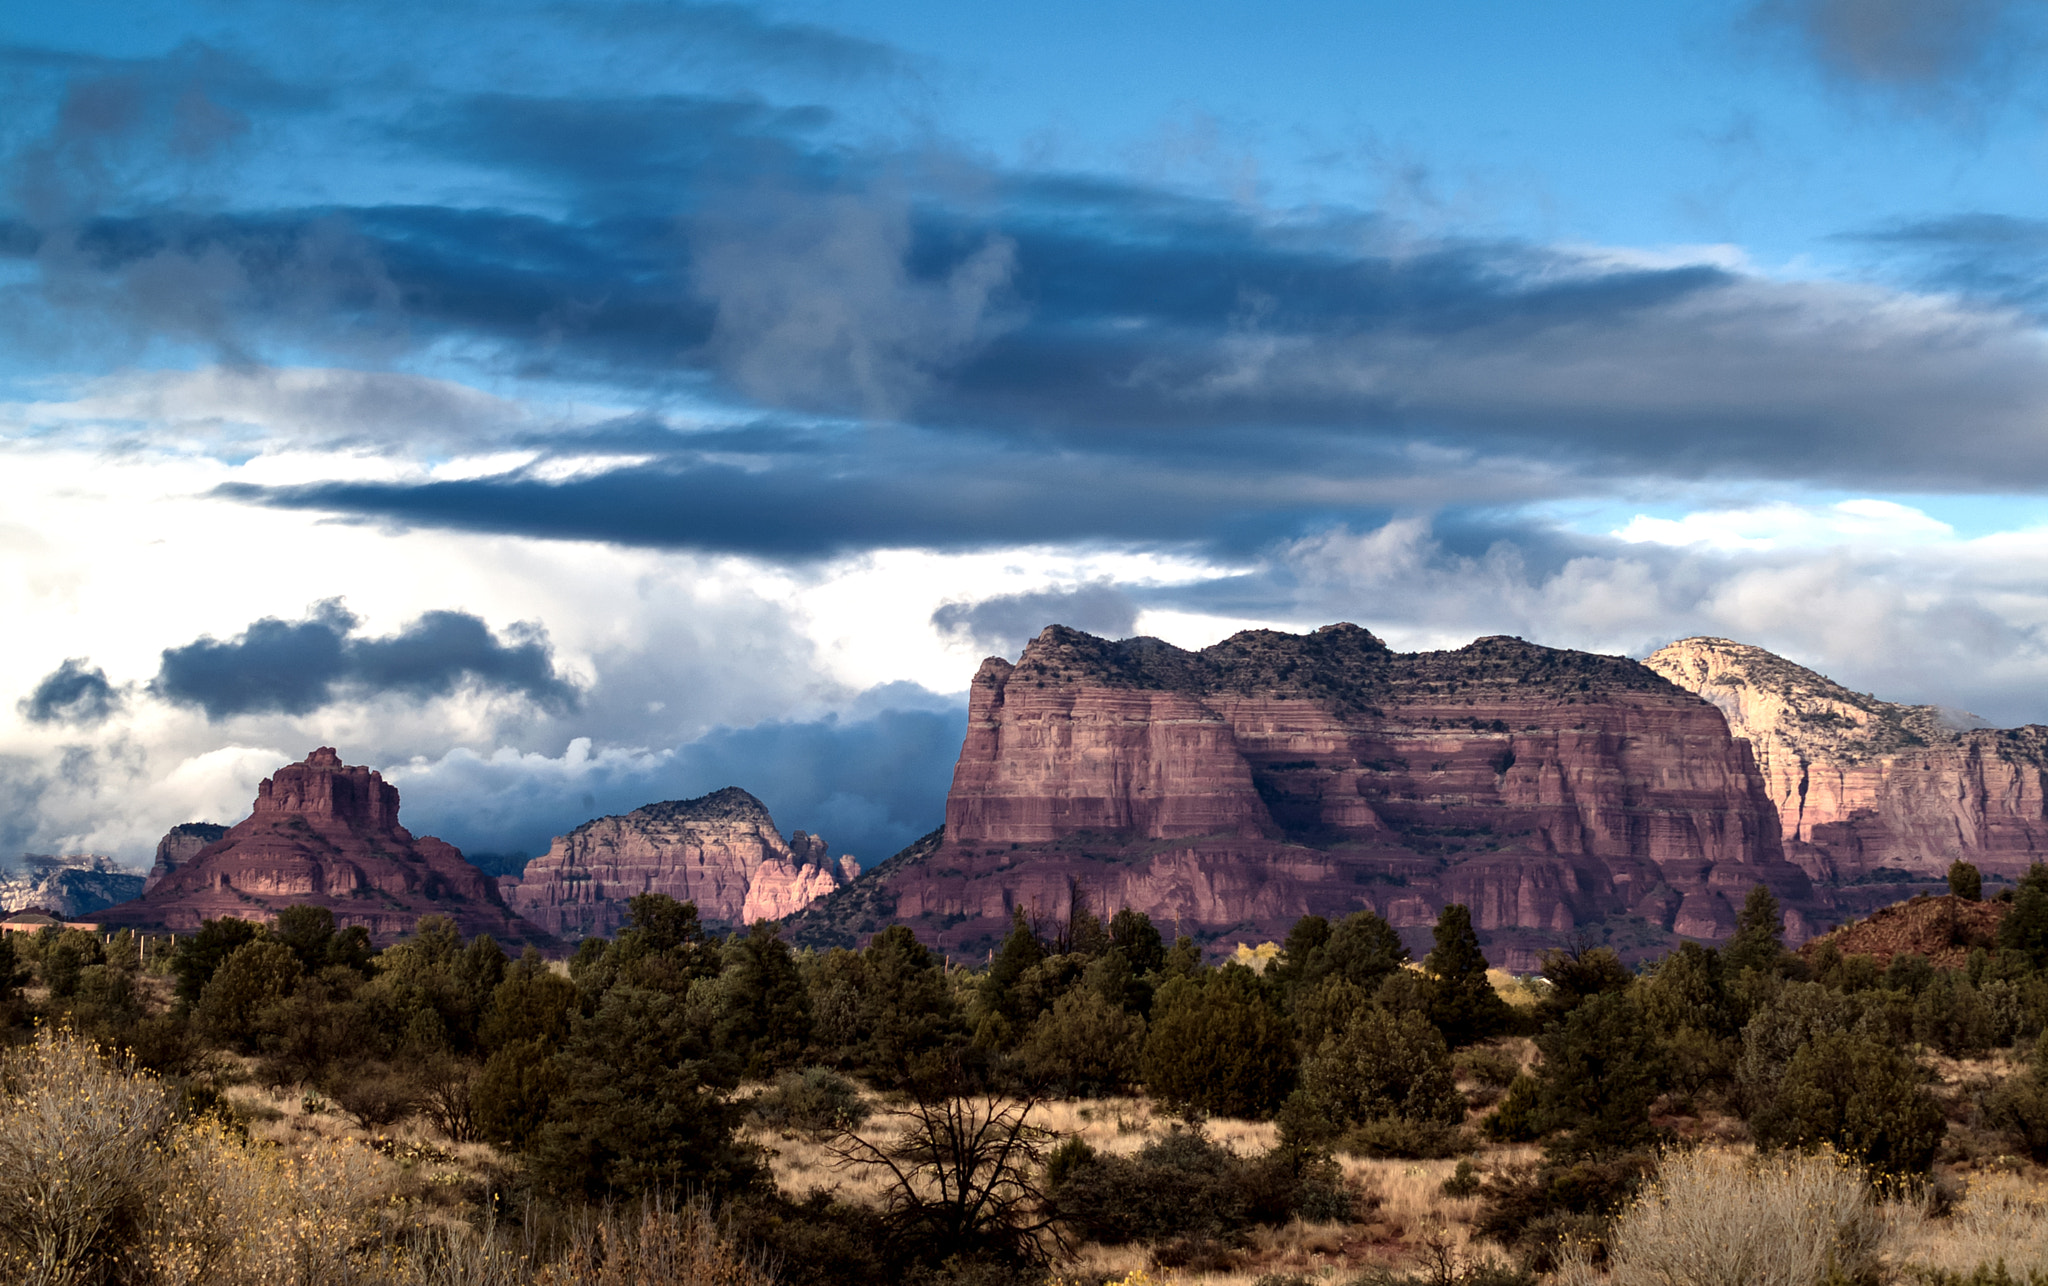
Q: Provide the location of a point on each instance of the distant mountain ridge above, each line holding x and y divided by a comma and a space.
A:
720, 850
71, 886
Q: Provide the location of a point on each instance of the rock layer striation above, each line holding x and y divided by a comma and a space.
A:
721, 851
326, 834
1865, 788
1230, 791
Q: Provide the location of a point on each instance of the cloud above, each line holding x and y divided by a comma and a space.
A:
818, 307
295, 667
664, 32
1914, 46
72, 694
1946, 621
1867, 523
1004, 623
869, 785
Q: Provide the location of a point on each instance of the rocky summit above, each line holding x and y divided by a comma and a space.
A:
180, 845
1865, 788
721, 851
325, 833
1229, 791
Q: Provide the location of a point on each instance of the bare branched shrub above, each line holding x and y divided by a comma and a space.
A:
961, 1170
1720, 1219
79, 1139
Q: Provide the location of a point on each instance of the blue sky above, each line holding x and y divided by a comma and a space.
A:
565, 405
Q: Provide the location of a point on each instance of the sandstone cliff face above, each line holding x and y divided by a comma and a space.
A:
721, 851
326, 834
1863, 785
1235, 789
180, 845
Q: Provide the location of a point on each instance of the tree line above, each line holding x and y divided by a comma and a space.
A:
633, 1071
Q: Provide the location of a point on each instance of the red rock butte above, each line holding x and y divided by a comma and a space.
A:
324, 833
1229, 791
721, 851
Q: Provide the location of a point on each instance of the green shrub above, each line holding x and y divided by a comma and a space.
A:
1084, 1045
1600, 1073
66, 955
1849, 1091
2024, 930
1965, 881
1537, 1211
1576, 974
1461, 1182
1382, 1066
198, 956
2018, 1107
1952, 1016
1404, 1137
1909, 972
1187, 1188
1800, 1013
1759, 939
1218, 1045
815, 1099
258, 974
1515, 1120
1495, 1068
1184, 1184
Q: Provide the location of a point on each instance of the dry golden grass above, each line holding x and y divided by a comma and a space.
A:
2002, 1217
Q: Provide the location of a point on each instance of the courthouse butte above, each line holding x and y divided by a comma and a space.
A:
1559, 794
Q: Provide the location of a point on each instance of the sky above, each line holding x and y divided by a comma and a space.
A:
562, 406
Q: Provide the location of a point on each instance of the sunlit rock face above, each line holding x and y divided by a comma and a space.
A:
1229, 791
1863, 786
326, 833
721, 851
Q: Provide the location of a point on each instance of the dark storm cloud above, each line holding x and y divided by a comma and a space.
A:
1004, 623
72, 693
868, 785
294, 667
925, 350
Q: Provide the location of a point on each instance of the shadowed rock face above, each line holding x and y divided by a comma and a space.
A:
721, 851
326, 834
1863, 785
1232, 790
180, 845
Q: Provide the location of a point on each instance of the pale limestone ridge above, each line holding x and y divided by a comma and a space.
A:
1765, 696
1861, 783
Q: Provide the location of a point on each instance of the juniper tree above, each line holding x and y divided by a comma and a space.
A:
1462, 1002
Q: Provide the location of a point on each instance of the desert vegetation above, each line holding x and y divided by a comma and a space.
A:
283, 1104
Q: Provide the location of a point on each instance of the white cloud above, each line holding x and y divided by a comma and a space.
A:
1866, 522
